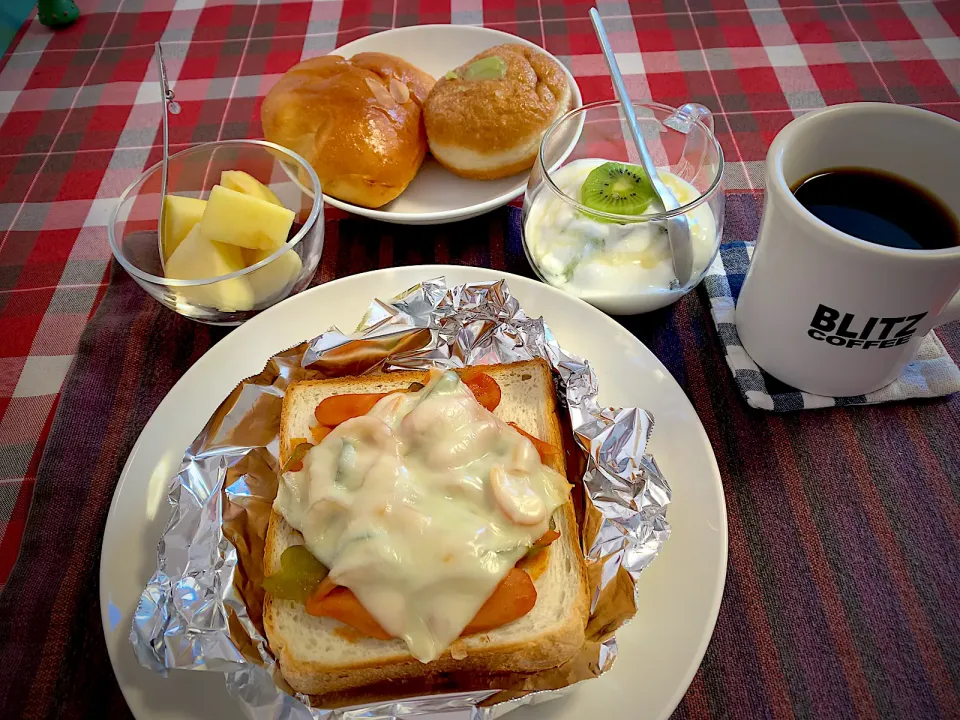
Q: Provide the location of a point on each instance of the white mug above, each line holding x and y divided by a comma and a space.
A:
824, 311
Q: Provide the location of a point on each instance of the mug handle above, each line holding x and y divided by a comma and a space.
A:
950, 312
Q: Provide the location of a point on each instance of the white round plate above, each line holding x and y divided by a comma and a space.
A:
679, 594
436, 195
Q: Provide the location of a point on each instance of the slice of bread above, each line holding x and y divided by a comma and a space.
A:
321, 655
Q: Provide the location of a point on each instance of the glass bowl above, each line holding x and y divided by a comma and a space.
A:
134, 239
622, 263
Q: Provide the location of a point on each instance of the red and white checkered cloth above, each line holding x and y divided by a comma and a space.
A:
79, 120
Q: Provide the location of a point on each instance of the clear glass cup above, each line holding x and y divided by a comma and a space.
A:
621, 263
193, 172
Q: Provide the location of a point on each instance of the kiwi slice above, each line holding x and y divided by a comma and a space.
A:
617, 188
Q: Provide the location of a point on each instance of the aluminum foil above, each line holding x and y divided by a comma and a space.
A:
202, 609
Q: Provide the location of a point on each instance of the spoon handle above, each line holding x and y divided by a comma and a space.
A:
646, 161
678, 230
171, 106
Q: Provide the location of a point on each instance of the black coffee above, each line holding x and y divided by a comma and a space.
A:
880, 208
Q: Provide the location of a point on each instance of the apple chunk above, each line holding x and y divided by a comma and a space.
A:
245, 183
198, 258
180, 214
237, 219
275, 277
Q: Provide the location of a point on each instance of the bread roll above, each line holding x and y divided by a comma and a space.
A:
491, 128
358, 122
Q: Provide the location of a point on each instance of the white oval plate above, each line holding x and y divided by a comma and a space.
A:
679, 594
436, 195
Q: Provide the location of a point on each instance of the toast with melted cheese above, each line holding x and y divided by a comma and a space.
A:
319, 655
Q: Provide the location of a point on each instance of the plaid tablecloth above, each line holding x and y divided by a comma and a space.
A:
79, 121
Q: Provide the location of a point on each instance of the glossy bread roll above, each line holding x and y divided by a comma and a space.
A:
485, 121
358, 122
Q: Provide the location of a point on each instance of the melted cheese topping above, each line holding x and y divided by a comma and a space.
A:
421, 507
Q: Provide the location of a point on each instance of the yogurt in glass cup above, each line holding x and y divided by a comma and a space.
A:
622, 264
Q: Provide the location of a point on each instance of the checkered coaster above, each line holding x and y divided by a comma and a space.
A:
931, 374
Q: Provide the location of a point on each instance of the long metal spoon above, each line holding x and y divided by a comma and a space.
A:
678, 229
173, 107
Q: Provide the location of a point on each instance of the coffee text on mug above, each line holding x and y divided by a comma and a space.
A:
845, 330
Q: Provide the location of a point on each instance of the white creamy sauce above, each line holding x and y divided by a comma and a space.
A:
595, 260
421, 508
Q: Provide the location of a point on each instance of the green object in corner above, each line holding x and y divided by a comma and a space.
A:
57, 13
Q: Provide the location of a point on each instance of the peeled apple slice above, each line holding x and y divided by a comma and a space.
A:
237, 219
247, 184
180, 214
197, 258
275, 277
